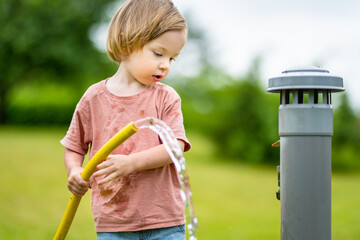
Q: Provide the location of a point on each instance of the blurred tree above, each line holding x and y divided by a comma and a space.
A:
48, 38
346, 139
252, 123
236, 113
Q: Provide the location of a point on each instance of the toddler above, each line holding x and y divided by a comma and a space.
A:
136, 191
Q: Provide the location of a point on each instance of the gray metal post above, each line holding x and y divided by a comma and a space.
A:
305, 129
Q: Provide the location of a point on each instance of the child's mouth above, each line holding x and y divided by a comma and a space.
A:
157, 78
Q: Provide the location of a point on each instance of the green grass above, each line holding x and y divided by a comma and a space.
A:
232, 201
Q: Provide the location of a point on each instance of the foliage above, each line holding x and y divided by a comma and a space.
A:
41, 103
346, 139
48, 40
40, 114
237, 114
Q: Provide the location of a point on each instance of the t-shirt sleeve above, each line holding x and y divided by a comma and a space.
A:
173, 117
77, 137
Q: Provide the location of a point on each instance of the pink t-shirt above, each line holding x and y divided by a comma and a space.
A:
142, 200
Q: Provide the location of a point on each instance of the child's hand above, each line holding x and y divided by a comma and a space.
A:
76, 184
114, 168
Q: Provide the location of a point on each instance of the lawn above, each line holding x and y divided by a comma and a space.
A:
232, 201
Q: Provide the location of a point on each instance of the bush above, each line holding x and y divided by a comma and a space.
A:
39, 114
42, 103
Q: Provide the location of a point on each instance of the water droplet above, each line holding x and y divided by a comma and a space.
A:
183, 195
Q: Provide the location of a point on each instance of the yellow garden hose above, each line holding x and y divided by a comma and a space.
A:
90, 168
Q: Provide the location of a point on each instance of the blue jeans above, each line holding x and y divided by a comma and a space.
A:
170, 233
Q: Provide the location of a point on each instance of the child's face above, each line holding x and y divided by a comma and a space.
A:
152, 63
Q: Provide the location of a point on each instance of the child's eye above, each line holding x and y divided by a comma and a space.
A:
172, 59
158, 54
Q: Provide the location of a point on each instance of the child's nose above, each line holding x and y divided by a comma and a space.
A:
164, 65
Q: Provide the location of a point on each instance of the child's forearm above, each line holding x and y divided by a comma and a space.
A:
118, 166
72, 159
152, 158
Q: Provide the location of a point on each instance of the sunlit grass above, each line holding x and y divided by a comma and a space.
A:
33, 193
232, 200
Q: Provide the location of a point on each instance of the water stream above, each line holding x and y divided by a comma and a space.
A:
172, 147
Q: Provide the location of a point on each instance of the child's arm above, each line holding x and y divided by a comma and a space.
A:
73, 163
118, 166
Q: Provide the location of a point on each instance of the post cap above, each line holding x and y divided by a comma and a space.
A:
306, 78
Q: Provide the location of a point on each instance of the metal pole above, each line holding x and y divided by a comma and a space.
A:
305, 129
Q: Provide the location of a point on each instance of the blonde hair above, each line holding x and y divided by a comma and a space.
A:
137, 22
